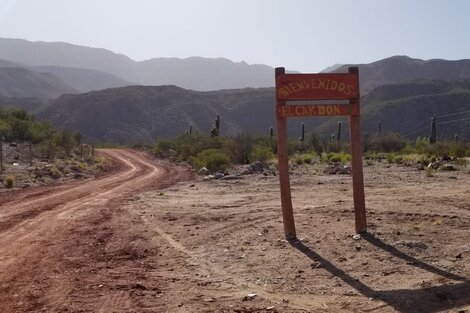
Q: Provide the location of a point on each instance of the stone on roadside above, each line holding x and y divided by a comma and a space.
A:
231, 177
208, 177
203, 171
249, 297
345, 170
218, 175
246, 170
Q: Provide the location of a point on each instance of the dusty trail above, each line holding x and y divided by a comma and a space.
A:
38, 225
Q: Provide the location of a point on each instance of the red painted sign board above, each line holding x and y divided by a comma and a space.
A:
339, 86
316, 110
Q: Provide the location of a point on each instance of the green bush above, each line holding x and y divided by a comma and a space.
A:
341, 157
10, 181
213, 159
261, 153
457, 150
240, 148
305, 158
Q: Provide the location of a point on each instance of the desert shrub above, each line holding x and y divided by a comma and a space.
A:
10, 181
374, 155
240, 148
316, 143
305, 158
341, 157
164, 146
261, 153
457, 150
391, 142
213, 159
461, 162
54, 172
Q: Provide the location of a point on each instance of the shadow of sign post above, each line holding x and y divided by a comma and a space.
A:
343, 87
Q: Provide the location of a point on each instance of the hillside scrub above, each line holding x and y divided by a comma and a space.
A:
219, 153
201, 149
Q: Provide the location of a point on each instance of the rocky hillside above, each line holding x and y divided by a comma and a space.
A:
145, 114
407, 109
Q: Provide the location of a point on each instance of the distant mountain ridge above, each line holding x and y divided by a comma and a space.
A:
23, 83
402, 69
195, 73
78, 79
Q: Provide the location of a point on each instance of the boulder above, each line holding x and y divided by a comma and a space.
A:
246, 170
257, 167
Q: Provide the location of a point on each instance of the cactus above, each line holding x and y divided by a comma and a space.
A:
217, 123
271, 132
215, 130
189, 131
456, 138
338, 137
333, 137
380, 128
432, 137
302, 136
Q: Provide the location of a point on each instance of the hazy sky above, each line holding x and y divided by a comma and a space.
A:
304, 35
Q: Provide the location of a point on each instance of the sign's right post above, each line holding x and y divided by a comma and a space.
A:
356, 162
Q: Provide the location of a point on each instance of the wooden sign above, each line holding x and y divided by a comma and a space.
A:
316, 86
315, 110
337, 86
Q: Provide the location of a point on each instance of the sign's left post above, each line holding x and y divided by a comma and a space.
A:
282, 154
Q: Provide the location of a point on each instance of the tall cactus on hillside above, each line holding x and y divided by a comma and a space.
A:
338, 136
189, 131
302, 136
271, 133
432, 137
216, 129
456, 138
380, 128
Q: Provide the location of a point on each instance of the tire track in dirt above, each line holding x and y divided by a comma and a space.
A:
36, 226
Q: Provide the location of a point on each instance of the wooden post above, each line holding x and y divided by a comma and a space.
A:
356, 162
282, 154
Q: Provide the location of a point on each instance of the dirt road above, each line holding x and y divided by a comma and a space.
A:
50, 237
121, 244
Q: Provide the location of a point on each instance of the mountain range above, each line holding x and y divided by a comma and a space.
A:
103, 94
195, 73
